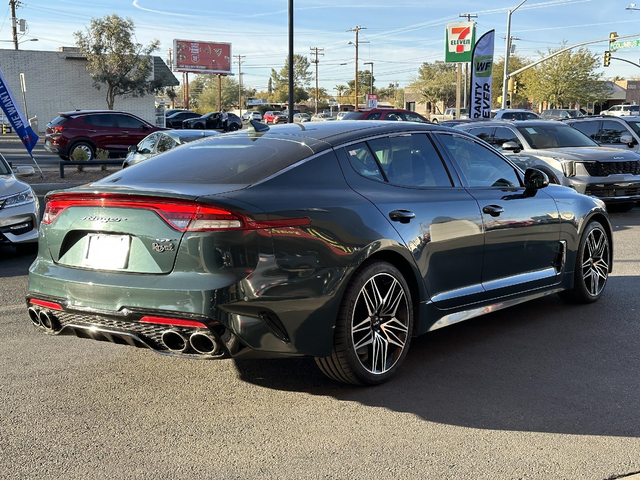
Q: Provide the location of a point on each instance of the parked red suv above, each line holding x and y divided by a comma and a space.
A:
92, 129
393, 114
275, 117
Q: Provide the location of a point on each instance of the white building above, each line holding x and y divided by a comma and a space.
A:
59, 82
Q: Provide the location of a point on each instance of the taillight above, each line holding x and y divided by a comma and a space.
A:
183, 215
57, 129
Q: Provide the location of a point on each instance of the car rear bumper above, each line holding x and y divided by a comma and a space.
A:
55, 149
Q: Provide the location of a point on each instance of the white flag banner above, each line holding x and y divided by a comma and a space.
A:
481, 76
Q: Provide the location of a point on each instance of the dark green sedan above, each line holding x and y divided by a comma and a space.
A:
335, 240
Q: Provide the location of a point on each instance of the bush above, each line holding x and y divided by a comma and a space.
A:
101, 155
79, 155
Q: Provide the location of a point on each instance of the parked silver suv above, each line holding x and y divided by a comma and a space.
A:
19, 212
616, 132
568, 157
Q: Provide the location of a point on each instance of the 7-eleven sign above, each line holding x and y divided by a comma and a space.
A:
460, 39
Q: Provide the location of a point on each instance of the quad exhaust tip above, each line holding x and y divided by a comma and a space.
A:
203, 343
175, 341
35, 318
47, 321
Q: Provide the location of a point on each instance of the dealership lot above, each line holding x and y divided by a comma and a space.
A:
543, 390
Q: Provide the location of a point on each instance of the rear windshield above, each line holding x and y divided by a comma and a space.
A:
353, 116
59, 121
555, 135
224, 159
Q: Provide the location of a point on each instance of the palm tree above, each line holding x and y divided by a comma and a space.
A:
340, 89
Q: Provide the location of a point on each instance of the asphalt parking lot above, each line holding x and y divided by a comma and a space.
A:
542, 390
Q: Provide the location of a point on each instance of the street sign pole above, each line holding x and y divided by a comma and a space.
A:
458, 89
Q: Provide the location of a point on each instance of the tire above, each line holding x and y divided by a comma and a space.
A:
198, 126
621, 207
87, 147
378, 288
233, 127
592, 266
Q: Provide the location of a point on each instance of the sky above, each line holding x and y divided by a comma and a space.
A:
401, 34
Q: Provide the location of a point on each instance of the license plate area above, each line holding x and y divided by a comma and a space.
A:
107, 252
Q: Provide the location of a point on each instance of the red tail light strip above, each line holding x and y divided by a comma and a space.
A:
49, 305
178, 322
183, 215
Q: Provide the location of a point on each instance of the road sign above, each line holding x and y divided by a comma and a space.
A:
460, 38
625, 44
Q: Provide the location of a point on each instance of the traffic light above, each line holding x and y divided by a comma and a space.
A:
515, 86
607, 58
613, 36
510, 86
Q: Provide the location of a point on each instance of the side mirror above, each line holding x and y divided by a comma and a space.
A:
25, 171
627, 139
145, 127
132, 149
511, 147
535, 179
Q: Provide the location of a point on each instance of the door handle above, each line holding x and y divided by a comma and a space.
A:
125, 131
92, 131
401, 215
493, 210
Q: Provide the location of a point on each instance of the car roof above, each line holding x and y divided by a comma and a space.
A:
321, 135
517, 123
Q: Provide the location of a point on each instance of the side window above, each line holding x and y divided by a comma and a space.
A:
590, 129
125, 121
374, 116
165, 142
411, 161
100, 120
503, 135
508, 116
483, 133
610, 132
147, 144
480, 166
414, 117
363, 162
393, 117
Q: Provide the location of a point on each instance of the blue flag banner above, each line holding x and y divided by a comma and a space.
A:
15, 116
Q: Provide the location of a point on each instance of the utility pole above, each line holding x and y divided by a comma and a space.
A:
357, 30
507, 52
14, 22
316, 51
291, 58
468, 16
240, 57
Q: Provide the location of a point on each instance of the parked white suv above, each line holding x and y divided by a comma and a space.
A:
620, 110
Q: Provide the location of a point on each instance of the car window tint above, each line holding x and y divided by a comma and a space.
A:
165, 142
147, 144
414, 117
371, 116
99, 120
363, 161
410, 160
222, 159
354, 116
125, 121
392, 116
479, 165
554, 135
610, 132
590, 129
503, 135
528, 116
483, 133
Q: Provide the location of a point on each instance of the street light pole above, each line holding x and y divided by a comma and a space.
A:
505, 78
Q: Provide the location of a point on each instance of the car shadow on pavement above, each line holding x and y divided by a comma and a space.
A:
543, 366
13, 263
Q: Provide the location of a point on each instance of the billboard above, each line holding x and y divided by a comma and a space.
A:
460, 37
201, 57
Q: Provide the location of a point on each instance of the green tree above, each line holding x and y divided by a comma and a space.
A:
524, 79
203, 93
399, 98
437, 82
115, 59
302, 75
570, 77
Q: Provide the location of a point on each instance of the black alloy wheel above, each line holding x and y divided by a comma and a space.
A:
373, 328
592, 266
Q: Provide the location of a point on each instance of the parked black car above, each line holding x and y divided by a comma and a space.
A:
340, 241
175, 120
213, 121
